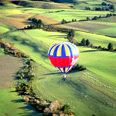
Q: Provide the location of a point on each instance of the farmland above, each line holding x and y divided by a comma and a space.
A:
87, 92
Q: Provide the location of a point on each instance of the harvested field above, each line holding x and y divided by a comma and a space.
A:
8, 67
47, 20
13, 23
85, 26
22, 16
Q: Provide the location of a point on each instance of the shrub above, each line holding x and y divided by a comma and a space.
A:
78, 67
63, 21
110, 46
66, 109
83, 42
87, 42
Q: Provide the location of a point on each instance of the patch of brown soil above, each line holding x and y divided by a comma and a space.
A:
13, 22
45, 19
85, 26
8, 67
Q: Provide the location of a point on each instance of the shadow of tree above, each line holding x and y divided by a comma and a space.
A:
91, 51
28, 109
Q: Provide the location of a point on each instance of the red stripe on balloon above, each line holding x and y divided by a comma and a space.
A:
63, 62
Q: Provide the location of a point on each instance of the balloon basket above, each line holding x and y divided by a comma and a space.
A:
64, 76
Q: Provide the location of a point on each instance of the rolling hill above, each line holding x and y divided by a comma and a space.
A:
87, 92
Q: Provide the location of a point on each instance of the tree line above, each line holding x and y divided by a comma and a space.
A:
104, 7
98, 17
86, 42
35, 23
64, 21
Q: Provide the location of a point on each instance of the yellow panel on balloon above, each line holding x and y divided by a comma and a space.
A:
66, 69
52, 51
59, 50
61, 69
67, 50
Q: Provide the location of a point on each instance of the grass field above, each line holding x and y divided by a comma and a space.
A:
70, 14
88, 92
108, 32
93, 90
97, 40
12, 105
1, 51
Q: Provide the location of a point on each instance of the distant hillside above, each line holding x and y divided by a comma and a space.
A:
64, 1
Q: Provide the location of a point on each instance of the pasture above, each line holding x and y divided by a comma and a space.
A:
93, 90
88, 92
11, 104
95, 39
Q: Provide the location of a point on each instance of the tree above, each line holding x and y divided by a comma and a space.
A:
110, 46
87, 42
95, 18
83, 42
63, 21
70, 35
73, 20
87, 8
93, 115
87, 18
104, 4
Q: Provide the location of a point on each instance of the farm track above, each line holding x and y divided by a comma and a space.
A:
96, 89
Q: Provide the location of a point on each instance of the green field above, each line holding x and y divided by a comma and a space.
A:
12, 105
89, 92
86, 83
97, 40
70, 14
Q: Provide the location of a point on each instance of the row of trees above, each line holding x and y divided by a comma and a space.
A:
86, 42
35, 23
104, 7
98, 17
71, 35
64, 21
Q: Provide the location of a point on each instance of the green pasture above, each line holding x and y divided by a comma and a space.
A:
3, 28
70, 14
11, 104
35, 43
97, 40
108, 32
89, 92
77, 90
1, 51
100, 62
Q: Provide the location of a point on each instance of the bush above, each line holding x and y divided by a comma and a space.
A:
110, 46
87, 42
83, 42
63, 21
78, 67
66, 109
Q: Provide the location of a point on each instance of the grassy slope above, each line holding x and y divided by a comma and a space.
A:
11, 104
3, 28
79, 90
1, 51
97, 40
86, 92
70, 14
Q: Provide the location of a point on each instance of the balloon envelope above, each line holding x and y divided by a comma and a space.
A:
63, 56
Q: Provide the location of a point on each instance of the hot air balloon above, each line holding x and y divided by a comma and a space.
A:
63, 56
